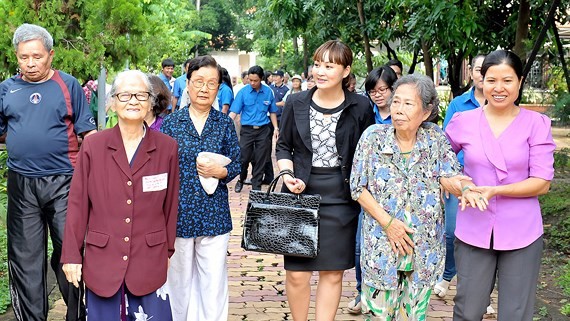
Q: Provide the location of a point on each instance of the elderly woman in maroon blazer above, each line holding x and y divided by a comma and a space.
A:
122, 211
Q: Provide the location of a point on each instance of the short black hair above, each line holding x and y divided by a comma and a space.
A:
203, 61
243, 74
256, 70
395, 62
167, 63
384, 73
186, 63
266, 75
226, 78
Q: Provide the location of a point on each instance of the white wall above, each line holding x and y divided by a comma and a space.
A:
234, 61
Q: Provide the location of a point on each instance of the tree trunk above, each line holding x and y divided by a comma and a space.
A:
455, 64
522, 29
561, 55
414, 61
281, 55
367, 52
538, 43
305, 54
295, 46
391, 53
427, 60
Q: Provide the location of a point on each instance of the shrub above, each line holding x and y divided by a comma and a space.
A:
561, 110
562, 159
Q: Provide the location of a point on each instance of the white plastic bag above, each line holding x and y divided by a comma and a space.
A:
210, 184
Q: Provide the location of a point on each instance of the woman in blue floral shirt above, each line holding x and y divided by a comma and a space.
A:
396, 179
197, 276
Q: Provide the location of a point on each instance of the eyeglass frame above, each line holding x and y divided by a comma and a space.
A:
204, 83
135, 95
381, 91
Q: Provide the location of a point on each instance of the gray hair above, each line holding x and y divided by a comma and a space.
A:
130, 74
425, 89
27, 32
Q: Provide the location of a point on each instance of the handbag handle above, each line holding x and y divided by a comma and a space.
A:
273, 183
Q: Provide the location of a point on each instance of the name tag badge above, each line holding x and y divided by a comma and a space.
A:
266, 102
155, 183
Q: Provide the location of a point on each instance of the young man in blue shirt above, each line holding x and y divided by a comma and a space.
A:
179, 86
253, 102
166, 76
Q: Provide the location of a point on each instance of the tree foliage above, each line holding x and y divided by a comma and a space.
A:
119, 33
114, 33
454, 30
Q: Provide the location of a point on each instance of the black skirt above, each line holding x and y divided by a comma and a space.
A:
338, 222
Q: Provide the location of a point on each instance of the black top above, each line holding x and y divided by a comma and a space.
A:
294, 141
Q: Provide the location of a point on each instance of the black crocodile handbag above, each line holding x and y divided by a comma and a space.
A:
282, 223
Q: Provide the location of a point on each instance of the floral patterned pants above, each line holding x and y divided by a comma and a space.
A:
125, 306
402, 304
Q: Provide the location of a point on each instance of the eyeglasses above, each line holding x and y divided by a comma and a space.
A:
381, 90
125, 97
199, 84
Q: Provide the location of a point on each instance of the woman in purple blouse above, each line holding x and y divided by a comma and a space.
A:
509, 154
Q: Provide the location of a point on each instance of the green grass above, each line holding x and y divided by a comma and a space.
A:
555, 208
564, 281
4, 288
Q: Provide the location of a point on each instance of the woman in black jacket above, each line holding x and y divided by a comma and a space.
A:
319, 132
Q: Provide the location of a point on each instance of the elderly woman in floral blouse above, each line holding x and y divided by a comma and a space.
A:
397, 175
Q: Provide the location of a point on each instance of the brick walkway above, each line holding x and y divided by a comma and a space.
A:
257, 282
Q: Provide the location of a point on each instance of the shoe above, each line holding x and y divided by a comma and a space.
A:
239, 186
440, 288
490, 310
355, 306
247, 182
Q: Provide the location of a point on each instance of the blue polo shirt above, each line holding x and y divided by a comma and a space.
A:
254, 105
279, 93
42, 121
178, 90
461, 103
166, 81
225, 95
378, 118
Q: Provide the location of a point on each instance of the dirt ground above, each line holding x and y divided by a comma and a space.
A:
561, 136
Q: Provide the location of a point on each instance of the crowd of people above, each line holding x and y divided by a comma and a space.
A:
139, 214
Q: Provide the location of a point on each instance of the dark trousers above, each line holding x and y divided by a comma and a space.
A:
254, 144
477, 271
268, 174
34, 205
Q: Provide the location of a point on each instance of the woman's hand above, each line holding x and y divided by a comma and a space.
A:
207, 168
73, 273
453, 184
487, 192
398, 235
294, 185
474, 199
